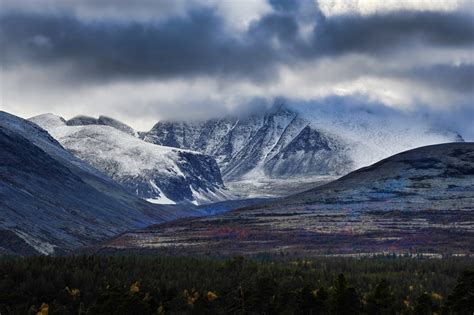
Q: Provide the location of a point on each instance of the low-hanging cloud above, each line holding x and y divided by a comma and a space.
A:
111, 57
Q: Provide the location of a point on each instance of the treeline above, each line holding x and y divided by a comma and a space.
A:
172, 285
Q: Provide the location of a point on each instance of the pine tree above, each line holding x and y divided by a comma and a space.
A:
345, 300
424, 305
381, 300
461, 301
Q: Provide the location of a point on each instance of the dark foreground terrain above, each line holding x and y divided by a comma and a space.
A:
173, 285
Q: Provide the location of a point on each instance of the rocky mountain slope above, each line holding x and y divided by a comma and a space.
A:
277, 143
420, 200
299, 140
159, 174
440, 177
51, 202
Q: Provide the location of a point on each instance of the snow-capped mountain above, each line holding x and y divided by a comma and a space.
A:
277, 143
159, 174
299, 140
51, 202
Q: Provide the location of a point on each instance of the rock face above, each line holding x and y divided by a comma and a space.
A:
102, 120
156, 173
51, 202
298, 140
418, 201
277, 143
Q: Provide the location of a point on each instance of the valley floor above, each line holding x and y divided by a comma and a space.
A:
305, 231
273, 188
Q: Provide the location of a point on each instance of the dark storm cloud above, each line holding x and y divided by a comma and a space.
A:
459, 78
387, 32
284, 5
281, 26
200, 44
180, 46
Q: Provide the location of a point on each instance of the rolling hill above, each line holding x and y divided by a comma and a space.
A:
420, 200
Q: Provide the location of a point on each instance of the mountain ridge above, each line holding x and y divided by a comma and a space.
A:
52, 202
293, 140
418, 201
158, 174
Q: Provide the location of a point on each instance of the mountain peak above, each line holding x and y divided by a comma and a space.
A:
156, 173
269, 139
82, 120
48, 120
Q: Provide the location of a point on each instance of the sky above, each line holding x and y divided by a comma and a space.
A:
142, 61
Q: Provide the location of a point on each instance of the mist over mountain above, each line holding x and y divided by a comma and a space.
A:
302, 139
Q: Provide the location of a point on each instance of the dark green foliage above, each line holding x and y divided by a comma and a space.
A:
174, 285
381, 301
424, 305
461, 301
313, 301
345, 299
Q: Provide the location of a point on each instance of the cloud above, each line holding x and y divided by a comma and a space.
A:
386, 33
144, 60
237, 14
100, 10
368, 7
97, 51
198, 43
455, 77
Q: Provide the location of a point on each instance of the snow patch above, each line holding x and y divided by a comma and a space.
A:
161, 199
44, 248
